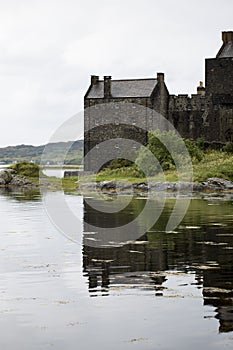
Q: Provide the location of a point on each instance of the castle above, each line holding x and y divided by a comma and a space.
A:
207, 114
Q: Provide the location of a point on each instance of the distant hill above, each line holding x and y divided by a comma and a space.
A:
54, 153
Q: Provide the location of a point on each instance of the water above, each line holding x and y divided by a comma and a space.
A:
162, 291
49, 171
57, 172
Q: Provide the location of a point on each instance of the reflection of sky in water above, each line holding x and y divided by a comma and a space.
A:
56, 171
155, 289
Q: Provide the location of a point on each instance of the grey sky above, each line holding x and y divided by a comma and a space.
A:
49, 49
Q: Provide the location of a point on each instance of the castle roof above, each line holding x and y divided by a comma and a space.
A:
227, 50
124, 88
227, 47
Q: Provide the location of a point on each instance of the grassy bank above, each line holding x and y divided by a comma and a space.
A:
213, 164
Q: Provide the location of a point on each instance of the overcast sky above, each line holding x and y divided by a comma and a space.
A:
49, 49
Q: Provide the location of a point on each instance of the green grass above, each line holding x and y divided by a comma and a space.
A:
69, 184
213, 164
53, 183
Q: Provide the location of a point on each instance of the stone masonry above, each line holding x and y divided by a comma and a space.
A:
127, 109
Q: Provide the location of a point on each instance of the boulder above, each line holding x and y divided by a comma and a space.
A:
217, 183
20, 181
141, 186
5, 177
107, 185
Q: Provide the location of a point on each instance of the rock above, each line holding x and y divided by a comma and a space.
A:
158, 186
172, 186
185, 186
123, 186
20, 181
198, 187
220, 184
5, 177
2, 181
107, 185
211, 184
141, 186
11, 171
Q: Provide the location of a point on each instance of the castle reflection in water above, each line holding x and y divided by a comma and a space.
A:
201, 246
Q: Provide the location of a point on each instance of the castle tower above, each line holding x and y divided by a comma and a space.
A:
219, 91
219, 70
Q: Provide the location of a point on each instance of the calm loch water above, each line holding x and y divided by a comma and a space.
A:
157, 291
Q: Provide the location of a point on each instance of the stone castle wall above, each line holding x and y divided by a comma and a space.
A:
207, 114
126, 118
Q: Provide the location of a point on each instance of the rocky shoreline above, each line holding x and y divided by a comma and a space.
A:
210, 185
9, 178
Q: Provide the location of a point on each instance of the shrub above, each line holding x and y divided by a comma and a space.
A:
146, 161
228, 148
200, 142
122, 172
195, 152
26, 169
119, 163
160, 144
165, 151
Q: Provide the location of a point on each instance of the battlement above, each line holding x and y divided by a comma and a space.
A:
184, 102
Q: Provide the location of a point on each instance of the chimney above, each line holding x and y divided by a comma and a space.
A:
94, 79
226, 49
160, 77
107, 86
227, 37
201, 89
